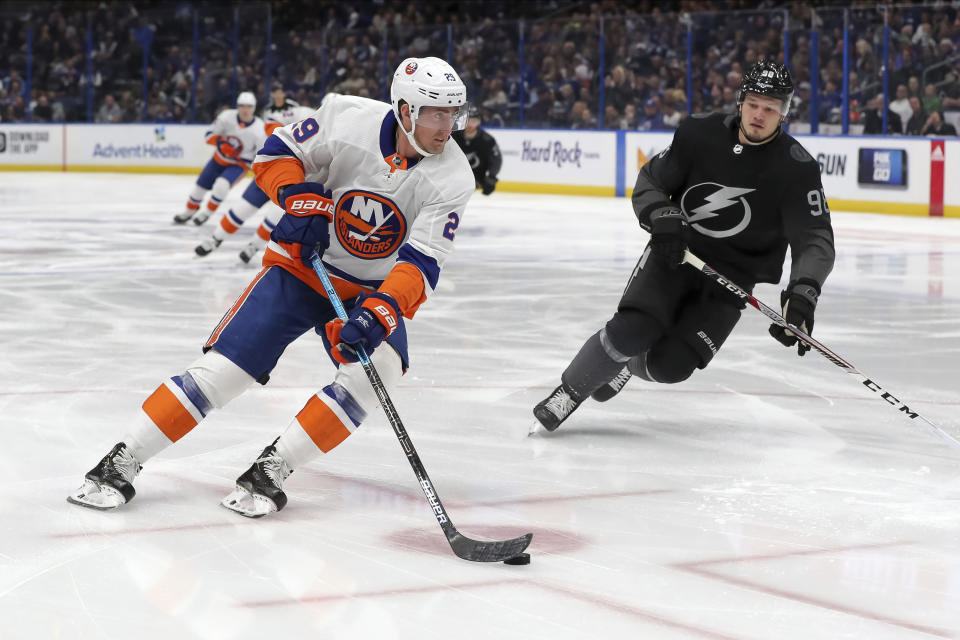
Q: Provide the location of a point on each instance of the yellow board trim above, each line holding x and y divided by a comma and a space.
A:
31, 167
559, 189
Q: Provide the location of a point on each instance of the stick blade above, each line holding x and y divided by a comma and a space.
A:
494, 551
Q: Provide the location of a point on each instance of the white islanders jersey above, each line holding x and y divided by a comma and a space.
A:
248, 138
388, 209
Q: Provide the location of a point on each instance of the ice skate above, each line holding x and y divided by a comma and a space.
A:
556, 408
109, 484
207, 246
200, 217
181, 218
612, 388
260, 489
249, 251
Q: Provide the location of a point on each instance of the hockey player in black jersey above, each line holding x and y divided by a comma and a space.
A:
482, 151
736, 190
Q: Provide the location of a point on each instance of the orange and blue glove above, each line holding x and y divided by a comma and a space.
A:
371, 320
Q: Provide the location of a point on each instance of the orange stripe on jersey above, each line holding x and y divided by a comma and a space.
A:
305, 274
233, 310
322, 424
270, 127
263, 232
167, 412
273, 174
227, 225
213, 139
405, 284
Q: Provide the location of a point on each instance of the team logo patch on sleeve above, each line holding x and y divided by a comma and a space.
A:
368, 225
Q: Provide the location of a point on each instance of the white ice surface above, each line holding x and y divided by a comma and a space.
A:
767, 497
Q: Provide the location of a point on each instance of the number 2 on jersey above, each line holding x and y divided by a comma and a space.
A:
449, 229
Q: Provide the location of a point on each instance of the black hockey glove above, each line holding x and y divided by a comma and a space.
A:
668, 235
799, 300
488, 184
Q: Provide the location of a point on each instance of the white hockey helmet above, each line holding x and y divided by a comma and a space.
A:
247, 98
427, 82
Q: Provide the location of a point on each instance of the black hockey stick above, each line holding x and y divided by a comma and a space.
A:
463, 547
892, 401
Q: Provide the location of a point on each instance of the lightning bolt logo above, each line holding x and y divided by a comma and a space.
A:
720, 198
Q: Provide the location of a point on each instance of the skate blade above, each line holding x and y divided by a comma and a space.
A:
199, 220
95, 496
536, 429
248, 504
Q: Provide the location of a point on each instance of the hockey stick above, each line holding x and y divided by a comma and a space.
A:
463, 547
897, 404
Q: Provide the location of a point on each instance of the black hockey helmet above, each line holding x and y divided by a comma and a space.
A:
473, 112
767, 78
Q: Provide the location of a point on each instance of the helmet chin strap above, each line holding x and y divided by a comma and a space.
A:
409, 134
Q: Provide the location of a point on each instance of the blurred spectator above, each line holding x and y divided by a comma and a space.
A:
935, 126
109, 111
873, 121
931, 101
673, 108
629, 118
585, 119
918, 118
800, 105
651, 119
42, 111
901, 105
539, 114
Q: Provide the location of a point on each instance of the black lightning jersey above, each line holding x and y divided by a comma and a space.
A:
745, 204
483, 153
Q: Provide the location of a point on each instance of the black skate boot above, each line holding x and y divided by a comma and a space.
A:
260, 489
612, 388
556, 408
207, 246
249, 251
109, 484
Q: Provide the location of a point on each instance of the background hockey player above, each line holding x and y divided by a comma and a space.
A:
236, 135
375, 190
253, 198
281, 109
738, 191
482, 151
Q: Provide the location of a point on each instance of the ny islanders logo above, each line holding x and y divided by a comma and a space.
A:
369, 225
715, 210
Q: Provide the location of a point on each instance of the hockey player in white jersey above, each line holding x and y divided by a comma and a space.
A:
236, 135
379, 192
254, 199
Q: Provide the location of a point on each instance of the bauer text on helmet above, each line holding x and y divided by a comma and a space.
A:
435, 95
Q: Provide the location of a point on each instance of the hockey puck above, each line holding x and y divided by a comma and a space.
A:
523, 558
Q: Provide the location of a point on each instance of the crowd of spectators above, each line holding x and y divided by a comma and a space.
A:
604, 64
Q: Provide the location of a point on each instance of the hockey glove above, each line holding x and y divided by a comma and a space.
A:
799, 300
668, 235
306, 222
488, 184
373, 318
